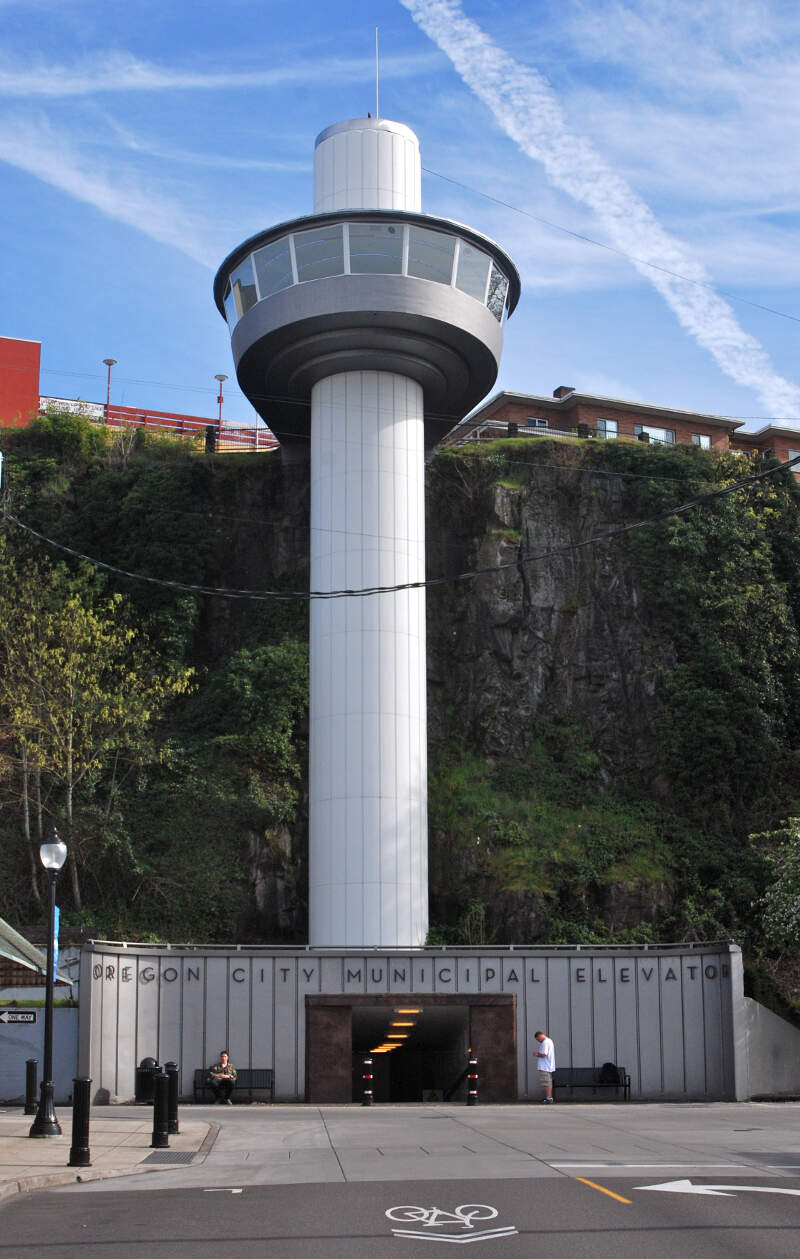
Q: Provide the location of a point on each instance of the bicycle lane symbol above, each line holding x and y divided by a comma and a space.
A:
432, 1219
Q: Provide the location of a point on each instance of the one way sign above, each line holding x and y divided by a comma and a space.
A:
17, 1016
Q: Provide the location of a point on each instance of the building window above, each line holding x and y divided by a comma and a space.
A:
498, 291
536, 421
607, 429
242, 292
273, 268
430, 255
376, 248
664, 435
702, 440
319, 253
363, 248
472, 271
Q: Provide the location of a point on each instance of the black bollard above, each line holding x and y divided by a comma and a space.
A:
472, 1078
31, 1086
366, 1076
172, 1107
79, 1154
160, 1139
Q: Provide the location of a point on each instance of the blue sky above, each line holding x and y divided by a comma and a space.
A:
141, 140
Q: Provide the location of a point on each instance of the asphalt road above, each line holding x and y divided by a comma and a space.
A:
305, 1182
561, 1218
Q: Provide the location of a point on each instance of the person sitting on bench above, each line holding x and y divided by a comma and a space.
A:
222, 1077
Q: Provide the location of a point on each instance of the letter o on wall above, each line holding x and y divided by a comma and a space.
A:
169, 975
710, 972
97, 971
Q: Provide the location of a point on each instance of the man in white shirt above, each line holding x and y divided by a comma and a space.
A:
546, 1064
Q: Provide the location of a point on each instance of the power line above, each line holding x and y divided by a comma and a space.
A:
224, 592
621, 253
452, 416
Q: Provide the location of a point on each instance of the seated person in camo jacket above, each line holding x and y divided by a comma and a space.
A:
222, 1077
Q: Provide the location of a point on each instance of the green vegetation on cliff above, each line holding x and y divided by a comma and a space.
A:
650, 683
613, 715
179, 817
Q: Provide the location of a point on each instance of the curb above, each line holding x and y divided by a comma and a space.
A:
84, 1175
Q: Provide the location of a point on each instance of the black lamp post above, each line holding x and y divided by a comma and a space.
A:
53, 854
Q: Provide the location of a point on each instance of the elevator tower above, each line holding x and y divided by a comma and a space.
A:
367, 329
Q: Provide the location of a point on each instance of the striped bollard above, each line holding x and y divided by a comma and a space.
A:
366, 1076
472, 1078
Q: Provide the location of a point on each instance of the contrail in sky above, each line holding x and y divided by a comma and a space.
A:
526, 108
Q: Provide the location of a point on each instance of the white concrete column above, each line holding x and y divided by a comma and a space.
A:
368, 876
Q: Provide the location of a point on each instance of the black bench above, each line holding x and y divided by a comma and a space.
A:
249, 1080
608, 1076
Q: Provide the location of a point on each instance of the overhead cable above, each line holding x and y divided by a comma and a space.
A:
520, 561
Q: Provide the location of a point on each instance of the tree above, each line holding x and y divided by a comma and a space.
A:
78, 685
780, 905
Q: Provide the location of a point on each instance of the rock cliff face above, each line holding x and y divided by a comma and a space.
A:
577, 675
564, 633
563, 636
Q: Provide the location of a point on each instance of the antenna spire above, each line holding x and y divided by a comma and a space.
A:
377, 88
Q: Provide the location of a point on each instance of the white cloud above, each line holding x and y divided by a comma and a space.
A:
125, 73
526, 108
123, 196
213, 161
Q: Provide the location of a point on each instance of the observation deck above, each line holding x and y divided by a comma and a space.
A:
360, 290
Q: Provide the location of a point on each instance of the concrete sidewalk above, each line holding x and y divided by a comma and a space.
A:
292, 1143
119, 1142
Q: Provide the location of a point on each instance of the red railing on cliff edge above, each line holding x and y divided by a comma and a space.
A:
170, 423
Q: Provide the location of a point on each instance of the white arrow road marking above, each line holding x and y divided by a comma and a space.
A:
222, 1191
490, 1234
718, 1191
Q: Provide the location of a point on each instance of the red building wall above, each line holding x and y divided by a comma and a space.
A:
19, 380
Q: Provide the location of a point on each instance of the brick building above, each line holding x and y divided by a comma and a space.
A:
570, 413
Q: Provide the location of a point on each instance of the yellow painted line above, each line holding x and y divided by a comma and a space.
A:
600, 1189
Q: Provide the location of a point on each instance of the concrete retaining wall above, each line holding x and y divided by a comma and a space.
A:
773, 1053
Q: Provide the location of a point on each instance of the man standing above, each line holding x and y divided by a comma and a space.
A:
222, 1077
545, 1057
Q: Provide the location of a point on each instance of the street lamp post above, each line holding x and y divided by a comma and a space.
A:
109, 362
220, 376
53, 854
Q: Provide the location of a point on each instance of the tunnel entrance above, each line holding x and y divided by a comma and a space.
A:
418, 1052
431, 1053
